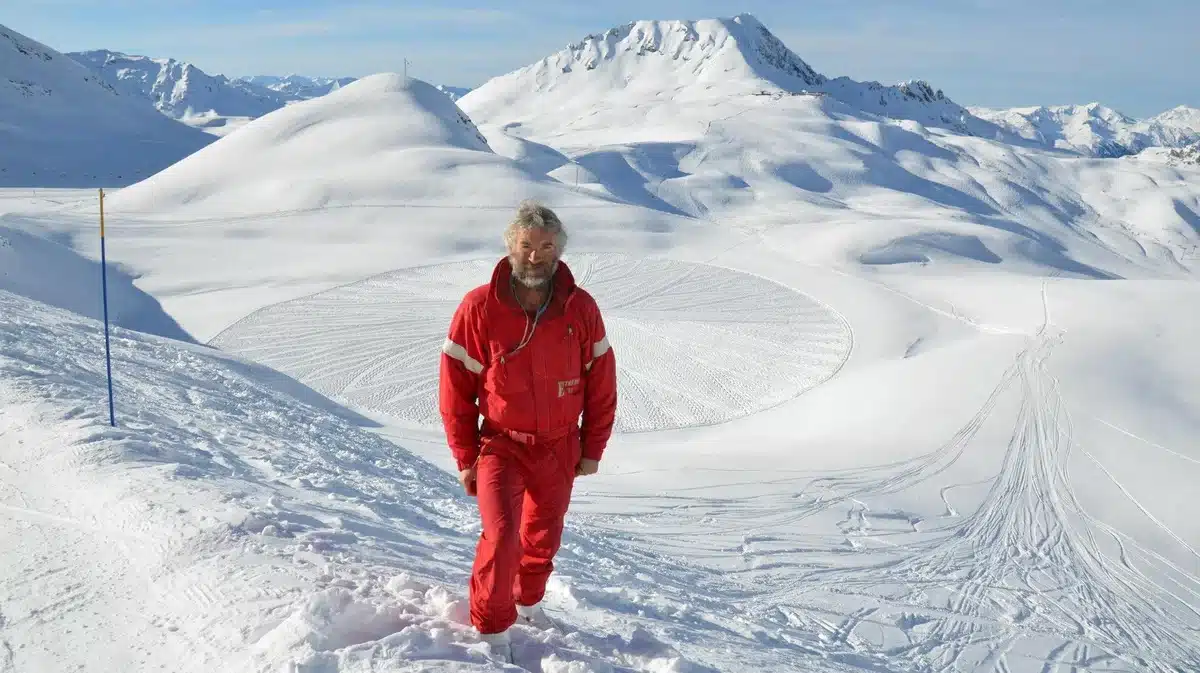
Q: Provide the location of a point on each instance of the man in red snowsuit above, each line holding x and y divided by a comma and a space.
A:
526, 352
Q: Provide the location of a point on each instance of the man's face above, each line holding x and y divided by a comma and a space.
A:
534, 257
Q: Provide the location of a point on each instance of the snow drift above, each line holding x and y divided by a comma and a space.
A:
62, 126
54, 273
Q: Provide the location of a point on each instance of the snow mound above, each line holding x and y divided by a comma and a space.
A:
644, 62
380, 138
63, 126
26, 261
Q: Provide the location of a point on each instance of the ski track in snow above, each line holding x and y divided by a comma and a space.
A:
696, 344
1020, 579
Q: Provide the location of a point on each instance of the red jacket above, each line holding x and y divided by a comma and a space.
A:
567, 368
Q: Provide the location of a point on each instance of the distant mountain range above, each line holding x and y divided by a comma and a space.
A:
102, 93
214, 102
63, 125
1097, 130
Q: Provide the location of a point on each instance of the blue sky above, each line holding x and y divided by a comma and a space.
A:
1140, 58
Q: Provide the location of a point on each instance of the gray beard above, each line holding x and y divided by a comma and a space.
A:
535, 283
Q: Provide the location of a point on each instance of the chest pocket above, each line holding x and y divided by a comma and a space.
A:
510, 373
565, 365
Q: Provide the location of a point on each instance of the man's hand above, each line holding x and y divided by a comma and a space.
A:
586, 466
467, 479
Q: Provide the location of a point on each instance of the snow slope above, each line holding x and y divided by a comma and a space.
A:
1096, 130
62, 126
27, 260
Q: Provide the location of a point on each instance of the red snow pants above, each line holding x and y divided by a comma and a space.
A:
523, 490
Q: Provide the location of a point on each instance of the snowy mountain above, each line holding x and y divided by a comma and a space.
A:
454, 92
180, 89
1187, 154
643, 62
297, 87
63, 125
1096, 130
300, 87
214, 103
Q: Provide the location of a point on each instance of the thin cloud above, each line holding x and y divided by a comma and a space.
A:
334, 22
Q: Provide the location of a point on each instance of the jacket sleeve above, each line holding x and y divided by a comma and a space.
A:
599, 389
462, 362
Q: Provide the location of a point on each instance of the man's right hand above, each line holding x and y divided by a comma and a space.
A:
467, 479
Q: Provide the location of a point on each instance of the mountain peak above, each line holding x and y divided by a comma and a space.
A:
704, 49
643, 63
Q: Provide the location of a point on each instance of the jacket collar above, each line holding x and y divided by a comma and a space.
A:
501, 288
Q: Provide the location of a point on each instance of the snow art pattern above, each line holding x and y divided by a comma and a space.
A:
696, 344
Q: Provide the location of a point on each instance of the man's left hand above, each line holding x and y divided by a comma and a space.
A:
587, 466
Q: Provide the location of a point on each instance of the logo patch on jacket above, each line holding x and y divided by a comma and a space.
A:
569, 387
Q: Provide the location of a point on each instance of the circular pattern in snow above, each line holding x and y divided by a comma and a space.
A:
695, 344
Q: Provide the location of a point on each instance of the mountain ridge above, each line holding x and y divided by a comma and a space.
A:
1095, 129
742, 56
63, 125
738, 55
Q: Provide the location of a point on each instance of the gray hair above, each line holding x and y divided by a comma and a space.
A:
533, 215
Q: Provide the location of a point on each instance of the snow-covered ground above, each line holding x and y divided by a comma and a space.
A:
893, 398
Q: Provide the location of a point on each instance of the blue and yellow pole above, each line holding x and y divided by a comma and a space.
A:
112, 416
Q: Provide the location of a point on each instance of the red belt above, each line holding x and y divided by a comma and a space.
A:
531, 438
